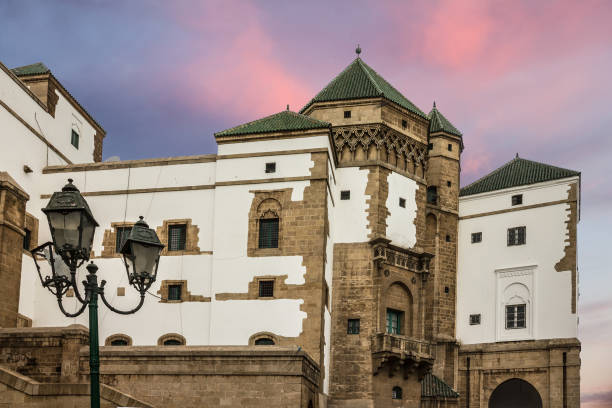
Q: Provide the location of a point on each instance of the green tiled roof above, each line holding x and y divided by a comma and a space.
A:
432, 386
358, 81
438, 123
279, 122
517, 172
33, 69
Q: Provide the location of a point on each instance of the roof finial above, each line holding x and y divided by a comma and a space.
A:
516, 155
434, 104
287, 106
358, 50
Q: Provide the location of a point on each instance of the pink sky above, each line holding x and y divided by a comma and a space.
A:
515, 76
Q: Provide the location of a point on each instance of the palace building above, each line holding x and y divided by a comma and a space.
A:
321, 258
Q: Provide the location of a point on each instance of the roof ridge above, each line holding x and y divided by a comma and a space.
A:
365, 67
276, 122
333, 81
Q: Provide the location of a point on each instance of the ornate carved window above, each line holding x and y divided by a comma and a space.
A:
171, 339
269, 212
118, 340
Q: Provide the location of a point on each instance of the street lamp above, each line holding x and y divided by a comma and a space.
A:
72, 228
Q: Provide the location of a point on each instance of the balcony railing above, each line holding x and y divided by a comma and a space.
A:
402, 345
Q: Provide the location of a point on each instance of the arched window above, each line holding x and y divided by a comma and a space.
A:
264, 342
396, 393
171, 339
398, 309
118, 340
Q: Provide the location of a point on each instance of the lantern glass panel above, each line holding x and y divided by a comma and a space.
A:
57, 264
144, 258
89, 228
65, 228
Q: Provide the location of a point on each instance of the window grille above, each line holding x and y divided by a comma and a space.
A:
347, 114
268, 233
474, 319
271, 167
177, 237
515, 317
345, 195
394, 321
517, 236
173, 342
396, 393
26, 239
264, 342
121, 236
119, 342
174, 292
74, 138
353, 326
476, 237
517, 199
266, 288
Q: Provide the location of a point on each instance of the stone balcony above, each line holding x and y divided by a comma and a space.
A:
401, 353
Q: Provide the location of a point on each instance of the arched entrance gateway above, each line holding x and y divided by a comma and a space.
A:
515, 393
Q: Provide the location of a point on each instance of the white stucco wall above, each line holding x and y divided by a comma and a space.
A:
401, 229
488, 269
351, 223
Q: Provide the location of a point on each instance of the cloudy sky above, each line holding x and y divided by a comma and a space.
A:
531, 77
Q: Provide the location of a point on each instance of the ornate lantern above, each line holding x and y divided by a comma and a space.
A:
141, 252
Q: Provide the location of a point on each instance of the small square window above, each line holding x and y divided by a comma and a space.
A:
517, 236
345, 195
353, 326
26, 239
476, 237
448, 238
450, 147
402, 202
266, 288
74, 138
515, 317
347, 114
174, 292
177, 236
517, 199
448, 184
446, 289
404, 123
430, 146
474, 319
271, 167
121, 235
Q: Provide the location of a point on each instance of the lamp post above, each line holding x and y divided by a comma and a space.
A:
72, 228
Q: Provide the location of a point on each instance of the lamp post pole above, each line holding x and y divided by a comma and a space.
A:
72, 228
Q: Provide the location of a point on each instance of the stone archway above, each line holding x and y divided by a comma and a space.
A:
515, 393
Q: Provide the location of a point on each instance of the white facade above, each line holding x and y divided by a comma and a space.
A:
492, 274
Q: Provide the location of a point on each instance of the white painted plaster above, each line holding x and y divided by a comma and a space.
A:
275, 145
253, 168
351, 217
400, 222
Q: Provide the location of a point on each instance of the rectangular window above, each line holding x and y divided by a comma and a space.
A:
271, 167
177, 237
266, 288
517, 199
394, 321
430, 146
474, 319
404, 123
74, 138
450, 147
516, 236
345, 195
448, 184
515, 317
353, 326
402, 202
432, 195
476, 237
268, 233
347, 114
121, 236
26, 239
174, 292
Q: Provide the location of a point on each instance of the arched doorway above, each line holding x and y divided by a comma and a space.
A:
515, 393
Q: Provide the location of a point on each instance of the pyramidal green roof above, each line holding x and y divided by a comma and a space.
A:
517, 172
432, 386
438, 123
32, 69
358, 81
279, 122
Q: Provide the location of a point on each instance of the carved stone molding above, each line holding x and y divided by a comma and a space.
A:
380, 143
418, 262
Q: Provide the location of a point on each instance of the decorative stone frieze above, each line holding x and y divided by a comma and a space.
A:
401, 351
406, 259
361, 144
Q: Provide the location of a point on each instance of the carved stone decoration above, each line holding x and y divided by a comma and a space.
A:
406, 259
378, 143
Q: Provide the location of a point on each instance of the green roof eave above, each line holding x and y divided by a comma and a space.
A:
432, 386
360, 81
517, 172
439, 123
37, 68
285, 121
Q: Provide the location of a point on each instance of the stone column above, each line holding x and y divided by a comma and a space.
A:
12, 219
